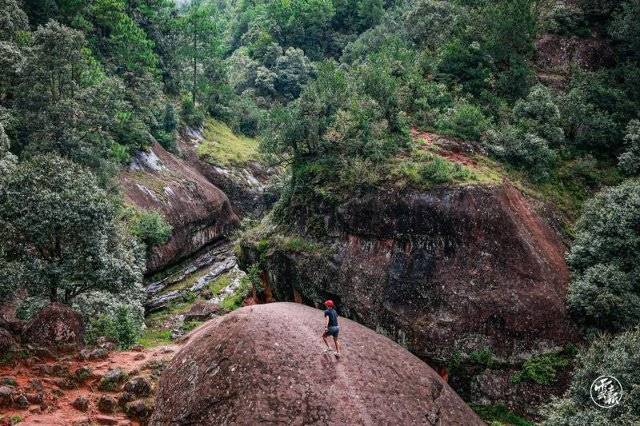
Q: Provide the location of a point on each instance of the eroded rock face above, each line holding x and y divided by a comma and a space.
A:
199, 212
265, 363
450, 269
557, 55
7, 341
446, 273
56, 326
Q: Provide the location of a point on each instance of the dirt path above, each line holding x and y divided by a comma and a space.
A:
48, 379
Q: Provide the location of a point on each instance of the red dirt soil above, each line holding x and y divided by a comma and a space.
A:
59, 410
431, 139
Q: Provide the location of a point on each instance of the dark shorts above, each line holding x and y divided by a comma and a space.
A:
332, 331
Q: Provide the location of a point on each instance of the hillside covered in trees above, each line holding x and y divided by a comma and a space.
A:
347, 99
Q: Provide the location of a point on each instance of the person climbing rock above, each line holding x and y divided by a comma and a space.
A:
332, 326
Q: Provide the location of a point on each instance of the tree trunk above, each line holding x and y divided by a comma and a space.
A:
53, 294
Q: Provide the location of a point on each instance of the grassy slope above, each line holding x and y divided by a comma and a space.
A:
223, 147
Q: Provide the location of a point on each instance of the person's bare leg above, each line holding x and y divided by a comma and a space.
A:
324, 337
335, 340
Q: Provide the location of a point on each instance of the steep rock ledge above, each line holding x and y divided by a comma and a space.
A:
199, 212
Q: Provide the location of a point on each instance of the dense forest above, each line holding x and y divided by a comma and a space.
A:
334, 90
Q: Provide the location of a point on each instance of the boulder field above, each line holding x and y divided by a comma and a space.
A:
266, 363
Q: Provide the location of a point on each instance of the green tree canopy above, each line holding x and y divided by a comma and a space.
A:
60, 232
617, 356
605, 260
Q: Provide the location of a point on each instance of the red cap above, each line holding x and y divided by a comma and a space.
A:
329, 303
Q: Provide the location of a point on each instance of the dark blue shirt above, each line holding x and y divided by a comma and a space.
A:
333, 317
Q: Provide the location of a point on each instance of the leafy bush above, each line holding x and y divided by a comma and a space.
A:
605, 260
482, 357
245, 116
498, 415
541, 369
425, 170
522, 149
630, 159
566, 19
122, 327
617, 356
538, 114
30, 306
465, 121
191, 115
235, 300
151, 228
61, 232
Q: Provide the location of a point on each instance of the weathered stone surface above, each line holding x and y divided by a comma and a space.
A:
232, 363
56, 326
453, 269
201, 311
112, 380
139, 409
7, 341
247, 186
93, 354
107, 404
211, 262
444, 272
6, 396
199, 212
557, 55
81, 403
138, 386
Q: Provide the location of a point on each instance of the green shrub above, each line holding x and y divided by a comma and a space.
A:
465, 121
541, 369
617, 356
151, 228
121, 326
522, 149
605, 260
29, 306
190, 325
566, 19
630, 159
498, 415
483, 357
191, 115
235, 300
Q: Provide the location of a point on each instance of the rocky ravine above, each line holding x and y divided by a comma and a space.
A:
246, 186
266, 363
446, 272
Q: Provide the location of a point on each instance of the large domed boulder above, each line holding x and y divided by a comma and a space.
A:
266, 363
56, 326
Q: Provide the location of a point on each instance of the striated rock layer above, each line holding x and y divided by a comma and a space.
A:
265, 363
199, 212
